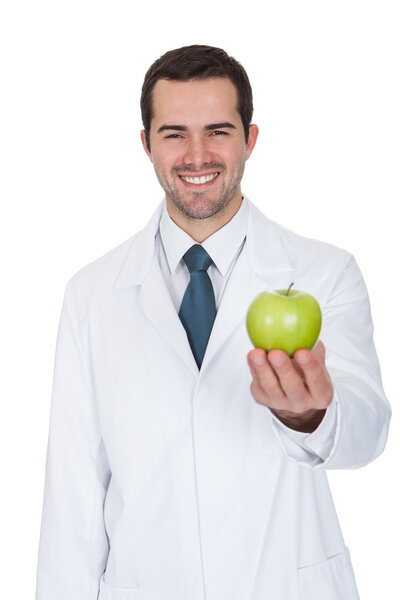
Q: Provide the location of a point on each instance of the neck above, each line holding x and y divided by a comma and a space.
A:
200, 229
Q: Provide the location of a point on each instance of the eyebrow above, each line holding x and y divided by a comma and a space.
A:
207, 127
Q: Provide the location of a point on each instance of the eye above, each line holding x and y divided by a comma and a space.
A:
173, 136
218, 132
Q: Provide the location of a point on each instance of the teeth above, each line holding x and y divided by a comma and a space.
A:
199, 180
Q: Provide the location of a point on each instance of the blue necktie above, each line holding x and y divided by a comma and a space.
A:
197, 311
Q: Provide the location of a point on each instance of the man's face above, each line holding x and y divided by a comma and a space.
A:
198, 145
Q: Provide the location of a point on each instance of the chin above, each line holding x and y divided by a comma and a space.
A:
201, 205
199, 208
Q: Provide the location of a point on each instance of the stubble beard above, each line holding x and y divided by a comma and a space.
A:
201, 205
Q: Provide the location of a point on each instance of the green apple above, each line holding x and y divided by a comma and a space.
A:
284, 319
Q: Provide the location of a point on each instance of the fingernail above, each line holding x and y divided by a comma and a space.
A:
277, 361
302, 359
258, 359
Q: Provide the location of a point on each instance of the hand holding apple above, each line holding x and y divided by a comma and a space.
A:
297, 390
289, 373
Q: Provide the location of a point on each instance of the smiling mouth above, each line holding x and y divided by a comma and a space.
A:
199, 180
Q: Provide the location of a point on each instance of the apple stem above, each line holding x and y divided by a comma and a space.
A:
287, 293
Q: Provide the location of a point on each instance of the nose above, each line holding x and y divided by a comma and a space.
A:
197, 152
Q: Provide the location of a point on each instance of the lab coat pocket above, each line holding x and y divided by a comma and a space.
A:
332, 579
111, 592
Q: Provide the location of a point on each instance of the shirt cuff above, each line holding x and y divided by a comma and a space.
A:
309, 448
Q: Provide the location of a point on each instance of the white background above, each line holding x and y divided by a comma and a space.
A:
75, 182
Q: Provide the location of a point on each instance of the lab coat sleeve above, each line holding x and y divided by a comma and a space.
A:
310, 449
355, 427
73, 545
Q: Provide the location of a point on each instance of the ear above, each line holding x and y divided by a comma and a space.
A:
144, 143
253, 135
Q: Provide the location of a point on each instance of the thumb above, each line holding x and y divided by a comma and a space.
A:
319, 352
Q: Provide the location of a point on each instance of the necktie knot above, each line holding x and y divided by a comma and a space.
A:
197, 259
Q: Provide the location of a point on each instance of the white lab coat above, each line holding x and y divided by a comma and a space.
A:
166, 484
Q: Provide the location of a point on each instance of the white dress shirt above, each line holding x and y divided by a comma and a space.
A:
224, 247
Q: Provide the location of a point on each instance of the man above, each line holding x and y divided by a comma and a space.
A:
176, 468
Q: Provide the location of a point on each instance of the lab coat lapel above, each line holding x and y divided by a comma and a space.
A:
141, 269
263, 264
157, 306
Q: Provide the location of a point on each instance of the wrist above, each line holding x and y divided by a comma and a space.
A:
306, 422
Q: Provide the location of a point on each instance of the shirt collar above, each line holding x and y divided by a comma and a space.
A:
221, 245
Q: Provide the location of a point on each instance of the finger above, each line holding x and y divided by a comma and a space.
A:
291, 381
259, 395
257, 356
316, 378
265, 376
319, 352
254, 357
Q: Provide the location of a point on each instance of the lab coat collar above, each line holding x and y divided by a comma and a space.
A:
264, 247
140, 255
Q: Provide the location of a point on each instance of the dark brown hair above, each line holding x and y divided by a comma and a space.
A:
197, 62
